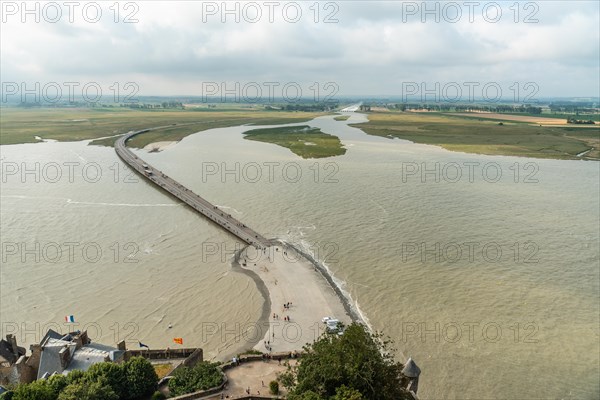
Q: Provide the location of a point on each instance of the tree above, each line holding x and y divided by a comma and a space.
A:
287, 378
103, 381
37, 390
7, 395
158, 396
75, 376
113, 375
87, 390
346, 393
356, 362
57, 383
204, 375
308, 395
140, 376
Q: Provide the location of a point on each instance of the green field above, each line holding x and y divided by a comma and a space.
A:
473, 135
456, 133
582, 116
303, 141
19, 125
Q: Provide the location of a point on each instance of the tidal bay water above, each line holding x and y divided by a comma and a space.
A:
484, 269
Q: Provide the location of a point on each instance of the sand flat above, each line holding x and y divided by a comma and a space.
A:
289, 277
158, 146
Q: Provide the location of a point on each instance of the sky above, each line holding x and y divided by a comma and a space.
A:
318, 49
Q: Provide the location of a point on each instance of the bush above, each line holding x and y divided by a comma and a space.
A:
203, 376
252, 352
274, 387
158, 396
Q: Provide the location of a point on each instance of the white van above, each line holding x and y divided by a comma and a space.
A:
332, 325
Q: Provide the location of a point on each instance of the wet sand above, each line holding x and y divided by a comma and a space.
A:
283, 275
157, 146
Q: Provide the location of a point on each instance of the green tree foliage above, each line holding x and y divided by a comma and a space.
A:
204, 375
346, 393
158, 396
274, 387
356, 362
140, 376
37, 390
111, 373
7, 395
75, 376
87, 390
57, 383
132, 380
287, 378
308, 395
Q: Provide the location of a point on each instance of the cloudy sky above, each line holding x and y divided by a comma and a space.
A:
364, 47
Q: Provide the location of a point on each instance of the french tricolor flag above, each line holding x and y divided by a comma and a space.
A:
69, 318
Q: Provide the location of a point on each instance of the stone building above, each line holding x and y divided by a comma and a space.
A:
14, 366
61, 354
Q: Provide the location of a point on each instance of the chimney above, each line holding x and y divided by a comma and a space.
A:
13, 344
65, 357
81, 340
34, 360
121, 345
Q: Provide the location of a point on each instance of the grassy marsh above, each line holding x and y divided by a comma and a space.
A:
473, 135
303, 141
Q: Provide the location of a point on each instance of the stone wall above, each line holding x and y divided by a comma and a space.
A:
192, 360
166, 354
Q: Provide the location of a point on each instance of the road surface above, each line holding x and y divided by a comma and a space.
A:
204, 207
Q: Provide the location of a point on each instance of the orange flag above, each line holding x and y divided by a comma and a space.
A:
178, 340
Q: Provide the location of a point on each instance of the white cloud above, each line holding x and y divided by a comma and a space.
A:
371, 50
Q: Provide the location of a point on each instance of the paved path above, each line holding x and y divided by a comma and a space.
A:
210, 211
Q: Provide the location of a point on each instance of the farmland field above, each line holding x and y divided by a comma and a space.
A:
23, 125
477, 135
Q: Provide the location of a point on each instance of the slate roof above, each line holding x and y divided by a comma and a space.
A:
410, 369
79, 359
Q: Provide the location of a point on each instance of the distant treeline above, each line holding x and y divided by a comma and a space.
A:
584, 108
308, 107
78, 104
70, 104
498, 108
163, 105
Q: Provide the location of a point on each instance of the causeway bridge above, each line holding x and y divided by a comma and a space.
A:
204, 207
